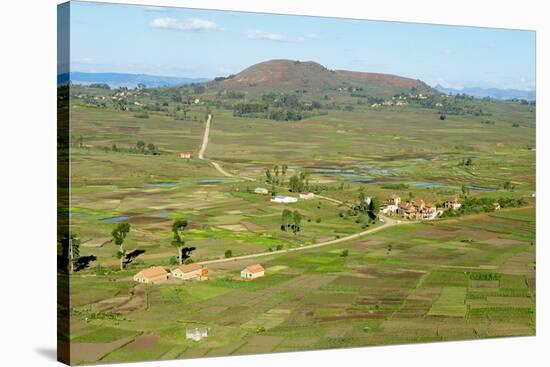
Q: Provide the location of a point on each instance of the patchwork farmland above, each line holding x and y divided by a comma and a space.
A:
466, 274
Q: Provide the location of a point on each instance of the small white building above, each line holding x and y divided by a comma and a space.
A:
196, 334
391, 205
253, 272
261, 191
307, 196
454, 204
284, 199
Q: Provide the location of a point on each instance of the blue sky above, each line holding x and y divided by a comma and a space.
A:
206, 43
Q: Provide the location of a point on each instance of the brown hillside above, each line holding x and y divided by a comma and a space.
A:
289, 75
387, 80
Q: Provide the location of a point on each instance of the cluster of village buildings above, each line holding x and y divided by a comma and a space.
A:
402, 100
193, 271
417, 208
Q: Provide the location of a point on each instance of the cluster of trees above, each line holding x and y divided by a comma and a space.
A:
249, 109
396, 186
291, 220
71, 261
221, 78
365, 209
484, 205
100, 86
231, 94
121, 231
144, 148
276, 175
299, 182
278, 106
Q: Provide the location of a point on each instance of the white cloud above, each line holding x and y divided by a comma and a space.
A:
256, 34
192, 24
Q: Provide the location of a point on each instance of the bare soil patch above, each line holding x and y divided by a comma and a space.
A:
144, 342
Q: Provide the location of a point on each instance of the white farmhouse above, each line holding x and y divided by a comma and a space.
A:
196, 334
284, 199
261, 191
253, 272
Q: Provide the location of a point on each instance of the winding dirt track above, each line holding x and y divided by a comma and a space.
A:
216, 165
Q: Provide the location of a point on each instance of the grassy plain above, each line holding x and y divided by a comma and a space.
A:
408, 283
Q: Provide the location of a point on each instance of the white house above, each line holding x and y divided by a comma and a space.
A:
453, 204
261, 191
391, 205
196, 334
253, 272
307, 196
284, 199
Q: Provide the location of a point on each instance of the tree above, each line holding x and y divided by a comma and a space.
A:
344, 253
286, 219
363, 202
268, 176
295, 184
140, 145
119, 235
178, 228
374, 206
151, 148
508, 186
228, 254
284, 168
297, 219
74, 250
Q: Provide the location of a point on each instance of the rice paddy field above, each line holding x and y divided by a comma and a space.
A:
456, 278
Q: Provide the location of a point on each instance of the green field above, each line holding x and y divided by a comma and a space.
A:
405, 283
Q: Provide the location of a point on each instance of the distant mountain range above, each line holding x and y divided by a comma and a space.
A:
115, 80
495, 93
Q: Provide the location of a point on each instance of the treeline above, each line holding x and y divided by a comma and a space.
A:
280, 107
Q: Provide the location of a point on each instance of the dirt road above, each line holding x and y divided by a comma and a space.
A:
216, 165
388, 222
205, 138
